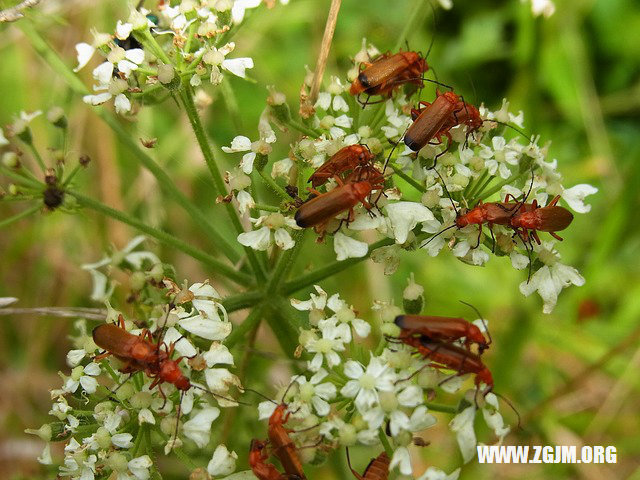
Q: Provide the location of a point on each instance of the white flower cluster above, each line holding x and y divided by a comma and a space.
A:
425, 192
113, 433
188, 41
353, 397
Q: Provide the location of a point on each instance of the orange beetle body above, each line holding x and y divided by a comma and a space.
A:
447, 356
261, 469
284, 447
441, 329
378, 468
321, 209
347, 158
388, 72
551, 218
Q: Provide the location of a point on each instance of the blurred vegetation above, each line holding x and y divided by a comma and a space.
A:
576, 75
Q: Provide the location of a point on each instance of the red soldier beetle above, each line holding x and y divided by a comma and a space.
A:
450, 357
378, 468
551, 218
347, 158
258, 457
318, 211
387, 73
444, 329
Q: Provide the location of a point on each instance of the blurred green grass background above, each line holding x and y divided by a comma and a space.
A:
575, 75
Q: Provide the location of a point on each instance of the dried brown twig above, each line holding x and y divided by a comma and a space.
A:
15, 13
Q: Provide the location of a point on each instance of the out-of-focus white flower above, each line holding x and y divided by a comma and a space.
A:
3, 140
434, 473
542, 7
223, 462
550, 279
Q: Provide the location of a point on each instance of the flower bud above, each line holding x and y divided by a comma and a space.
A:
390, 329
141, 400
84, 160
56, 116
347, 435
137, 281
374, 144
22, 131
413, 297
11, 160
125, 391
103, 437
44, 432
117, 462
327, 122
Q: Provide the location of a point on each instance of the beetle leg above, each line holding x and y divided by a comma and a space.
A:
556, 236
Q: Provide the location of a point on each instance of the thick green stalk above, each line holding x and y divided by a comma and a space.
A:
285, 263
245, 327
242, 300
407, 178
330, 270
8, 221
274, 186
186, 95
165, 182
166, 238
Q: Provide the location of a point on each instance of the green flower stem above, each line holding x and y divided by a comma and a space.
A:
186, 94
138, 441
411, 25
441, 408
71, 175
239, 332
155, 47
330, 270
266, 208
499, 185
385, 442
166, 238
242, 300
20, 198
481, 186
473, 187
271, 183
407, 178
284, 325
285, 263
22, 178
165, 182
8, 221
36, 155
302, 128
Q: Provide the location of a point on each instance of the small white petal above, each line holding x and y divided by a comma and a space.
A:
237, 66
198, 427
135, 55
222, 462
405, 216
84, 54
146, 416
434, 473
98, 99
257, 239
324, 101
247, 162
123, 30
283, 239
103, 72
238, 144
210, 329
574, 197
339, 104
122, 440
347, 247
402, 460
74, 357
218, 354
462, 425
140, 466
122, 104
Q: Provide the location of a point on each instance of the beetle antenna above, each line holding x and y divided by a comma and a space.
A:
437, 234
508, 402
447, 191
260, 395
484, 323
217, 395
